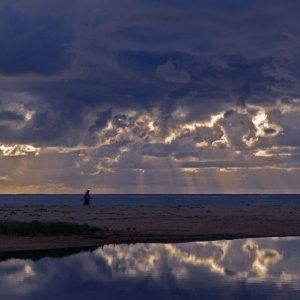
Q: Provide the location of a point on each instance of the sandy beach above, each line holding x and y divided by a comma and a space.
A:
152, 224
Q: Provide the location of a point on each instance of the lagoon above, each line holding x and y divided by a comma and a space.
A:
263, 268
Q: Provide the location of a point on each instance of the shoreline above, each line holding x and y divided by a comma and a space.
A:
149, 224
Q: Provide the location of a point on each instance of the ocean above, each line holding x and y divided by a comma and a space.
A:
149, 199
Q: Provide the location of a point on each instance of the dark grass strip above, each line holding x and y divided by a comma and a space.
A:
42, 253
47, 229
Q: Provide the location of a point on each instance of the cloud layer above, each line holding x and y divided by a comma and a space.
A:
125, 95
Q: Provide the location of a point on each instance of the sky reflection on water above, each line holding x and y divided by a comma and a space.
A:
266, 268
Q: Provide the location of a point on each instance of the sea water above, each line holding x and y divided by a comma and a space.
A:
148, 199
266, 268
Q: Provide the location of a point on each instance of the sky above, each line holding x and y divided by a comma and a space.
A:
148, 96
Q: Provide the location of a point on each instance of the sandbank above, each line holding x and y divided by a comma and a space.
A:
151, 224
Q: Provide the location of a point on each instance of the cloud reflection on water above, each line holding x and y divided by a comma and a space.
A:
216, 270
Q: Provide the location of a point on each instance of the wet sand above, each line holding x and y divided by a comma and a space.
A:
153, 224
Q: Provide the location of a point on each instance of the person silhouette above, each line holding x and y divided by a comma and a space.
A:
86, 198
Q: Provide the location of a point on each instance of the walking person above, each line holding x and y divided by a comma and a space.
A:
86, 198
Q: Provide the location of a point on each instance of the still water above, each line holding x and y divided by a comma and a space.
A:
267, 268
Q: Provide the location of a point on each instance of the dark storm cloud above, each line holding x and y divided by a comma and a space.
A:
101, 121
10, 116
139, 55
32, 42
